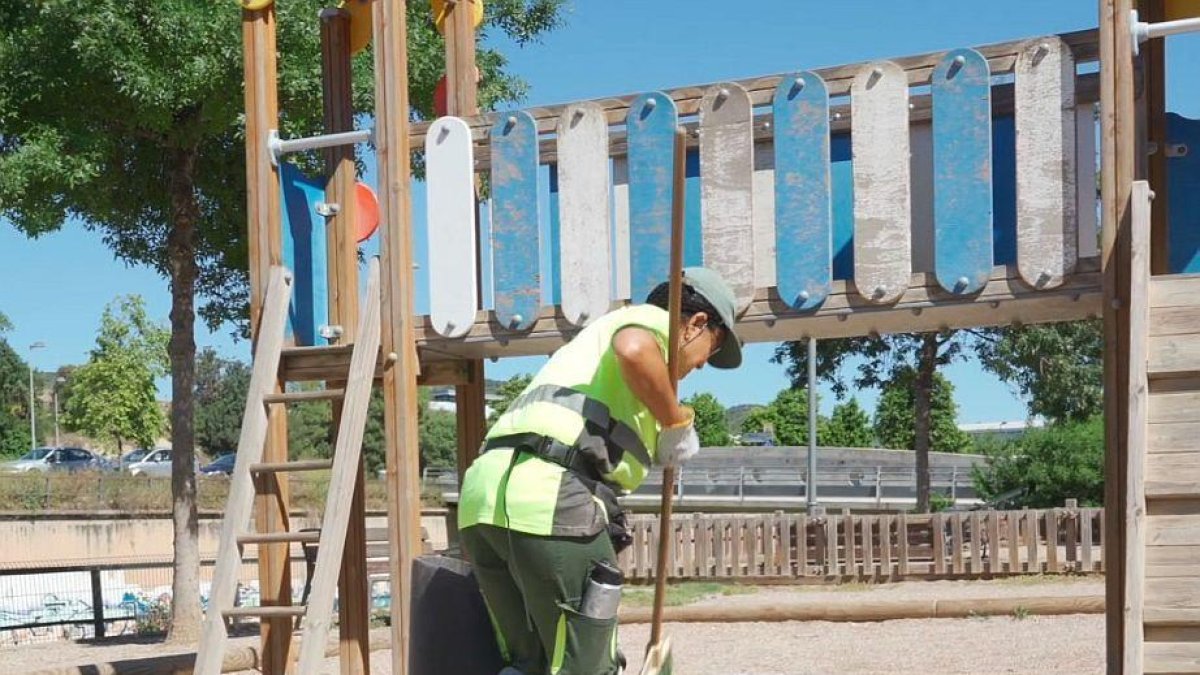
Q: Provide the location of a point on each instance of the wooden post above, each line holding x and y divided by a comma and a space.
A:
1118, 162
461, 100
265, 239
1154, 56
353, 586
399, 344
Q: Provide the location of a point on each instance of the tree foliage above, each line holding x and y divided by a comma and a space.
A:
221, 388
787, 415
849, 427
894, 416
507, 392
1058, 368
113, 396
14, 397
1045, 467
129, 118
710, 422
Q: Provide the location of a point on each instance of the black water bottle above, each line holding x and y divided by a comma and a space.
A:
602, 595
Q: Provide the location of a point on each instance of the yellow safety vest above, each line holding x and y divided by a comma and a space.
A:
582, 409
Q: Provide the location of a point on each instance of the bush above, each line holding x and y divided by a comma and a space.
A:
1048, 466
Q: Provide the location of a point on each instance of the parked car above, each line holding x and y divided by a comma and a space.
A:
56, 459
157, 464
221, 466
133, 457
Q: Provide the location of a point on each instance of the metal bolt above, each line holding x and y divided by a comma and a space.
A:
650, 103
961, 284
804, 295
798, 84
843, 317
510, 123
879, 292
516, 320
877, 72
393, 357
837, 115
327, 209
578, 115
917, 311
722, 94
583, 317
450, 325
443, 132
960, 59
766, 126
1043, 277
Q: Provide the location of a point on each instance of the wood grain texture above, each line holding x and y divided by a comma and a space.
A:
1047, 236
1086, 199
962, 171
726, 190
803, 202
515, 241
1137, 397
450, 214
584, 213
882, 204
1176, 290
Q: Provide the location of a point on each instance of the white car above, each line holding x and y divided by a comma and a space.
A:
157, 464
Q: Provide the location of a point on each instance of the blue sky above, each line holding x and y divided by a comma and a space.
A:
54, 288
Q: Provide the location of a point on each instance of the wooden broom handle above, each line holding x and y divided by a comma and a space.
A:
675, 299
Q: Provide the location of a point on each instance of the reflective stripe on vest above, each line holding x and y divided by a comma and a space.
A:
618, 436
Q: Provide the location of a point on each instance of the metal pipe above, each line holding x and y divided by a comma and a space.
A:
279, 147
811, 490
1143, 31
32, 407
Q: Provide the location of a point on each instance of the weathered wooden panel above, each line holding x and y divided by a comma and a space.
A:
803, 193
1172, 657
1174, 354
515, 242
1047, 236
1175, 406
1173, 437
882, 209
1086, 195
962, 171
585, 219
1173, 530
651, 123
450, 214
1173, 475
1179, 290
726, 187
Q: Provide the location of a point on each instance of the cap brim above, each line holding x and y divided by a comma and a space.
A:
729, 355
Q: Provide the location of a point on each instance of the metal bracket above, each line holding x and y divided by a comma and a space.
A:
330, 332
1177, 150
328, 209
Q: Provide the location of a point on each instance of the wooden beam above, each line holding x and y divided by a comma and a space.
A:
462, 101
342, 250
1001, 60
266, 249
400, 379
320, 364
924, 307
1154, 77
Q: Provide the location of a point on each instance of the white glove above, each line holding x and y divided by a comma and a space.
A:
678, 443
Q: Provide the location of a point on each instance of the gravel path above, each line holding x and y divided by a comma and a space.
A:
979, 646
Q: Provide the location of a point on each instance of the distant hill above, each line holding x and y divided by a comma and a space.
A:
737, 414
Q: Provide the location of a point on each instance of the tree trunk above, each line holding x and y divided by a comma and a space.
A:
181, 251
923, 397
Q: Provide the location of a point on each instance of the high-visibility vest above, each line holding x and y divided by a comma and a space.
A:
579, 400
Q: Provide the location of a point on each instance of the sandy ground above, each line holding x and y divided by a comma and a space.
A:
979, 646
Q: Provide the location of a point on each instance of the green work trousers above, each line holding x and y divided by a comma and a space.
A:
532, 586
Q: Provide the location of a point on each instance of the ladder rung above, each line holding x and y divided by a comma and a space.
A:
284, 467
279, 537
266, 611
298, 396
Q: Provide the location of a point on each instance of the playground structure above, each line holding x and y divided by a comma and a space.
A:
932, 192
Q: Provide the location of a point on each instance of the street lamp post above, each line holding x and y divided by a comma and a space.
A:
32, 409
57, 382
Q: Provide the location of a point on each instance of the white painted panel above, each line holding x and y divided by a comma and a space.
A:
450, 213
584, 218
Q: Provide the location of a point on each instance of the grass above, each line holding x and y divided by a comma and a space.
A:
684, 593
91, 491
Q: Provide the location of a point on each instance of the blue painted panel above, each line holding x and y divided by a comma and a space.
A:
693, 242
515, 252
803, 208
1183, 195
304, 253
1004, 190
962, 172
651, 126
841, 175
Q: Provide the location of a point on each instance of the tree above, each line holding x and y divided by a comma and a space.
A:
507, 393
884, 360
113, 395
788, 416
14, 397
1044, 467
438, 438
848, 427
758, 421
894, 418
155, 160
1058, 367
710, 420
220, 400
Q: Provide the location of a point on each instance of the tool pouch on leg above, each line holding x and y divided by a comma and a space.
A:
584, 645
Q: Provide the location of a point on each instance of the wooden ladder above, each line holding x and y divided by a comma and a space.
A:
315, 615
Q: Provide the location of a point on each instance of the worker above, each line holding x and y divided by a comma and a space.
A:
538, 508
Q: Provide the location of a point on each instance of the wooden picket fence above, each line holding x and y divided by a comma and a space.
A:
783, 546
